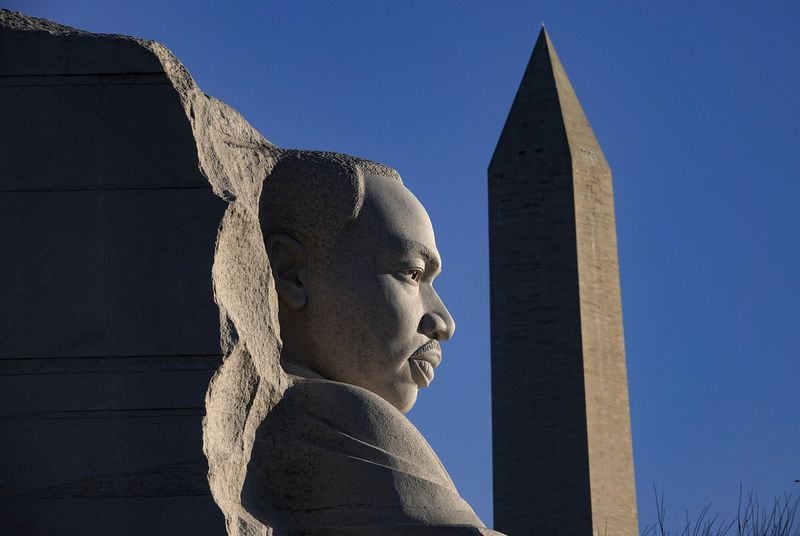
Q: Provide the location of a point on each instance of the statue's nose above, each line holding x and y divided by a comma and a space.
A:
437, 323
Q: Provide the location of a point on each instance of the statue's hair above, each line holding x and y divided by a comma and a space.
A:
312, 196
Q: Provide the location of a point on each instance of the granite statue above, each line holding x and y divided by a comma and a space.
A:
350, 330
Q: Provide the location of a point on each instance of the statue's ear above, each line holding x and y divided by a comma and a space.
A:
289, 260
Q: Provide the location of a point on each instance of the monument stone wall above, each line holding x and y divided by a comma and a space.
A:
108, 329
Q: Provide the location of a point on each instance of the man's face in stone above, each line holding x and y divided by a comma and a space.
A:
376, 318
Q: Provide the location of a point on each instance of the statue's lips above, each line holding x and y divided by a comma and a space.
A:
426, 358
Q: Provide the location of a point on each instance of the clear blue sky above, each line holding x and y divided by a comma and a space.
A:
697, 107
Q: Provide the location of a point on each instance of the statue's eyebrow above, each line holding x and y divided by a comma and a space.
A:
431, 257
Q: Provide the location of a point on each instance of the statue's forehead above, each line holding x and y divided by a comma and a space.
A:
391, 207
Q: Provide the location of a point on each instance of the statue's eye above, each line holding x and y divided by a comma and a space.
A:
414, 274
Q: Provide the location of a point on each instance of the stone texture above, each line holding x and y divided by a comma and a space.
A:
562, 441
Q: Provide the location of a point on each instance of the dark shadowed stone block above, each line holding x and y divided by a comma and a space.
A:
31, 46
108, 328
94, 131
103, 453
108, 272
85, 110
124, 516
30, 388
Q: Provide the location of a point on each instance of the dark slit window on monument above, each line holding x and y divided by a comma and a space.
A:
521, 153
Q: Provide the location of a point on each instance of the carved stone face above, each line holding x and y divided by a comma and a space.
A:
374, 318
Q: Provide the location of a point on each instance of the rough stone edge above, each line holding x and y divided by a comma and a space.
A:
14, 20
235, 159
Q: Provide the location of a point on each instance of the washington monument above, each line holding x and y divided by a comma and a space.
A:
563, 460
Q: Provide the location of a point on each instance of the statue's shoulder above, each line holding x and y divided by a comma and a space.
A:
349, 457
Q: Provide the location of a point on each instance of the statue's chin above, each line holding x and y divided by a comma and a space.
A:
402, 398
